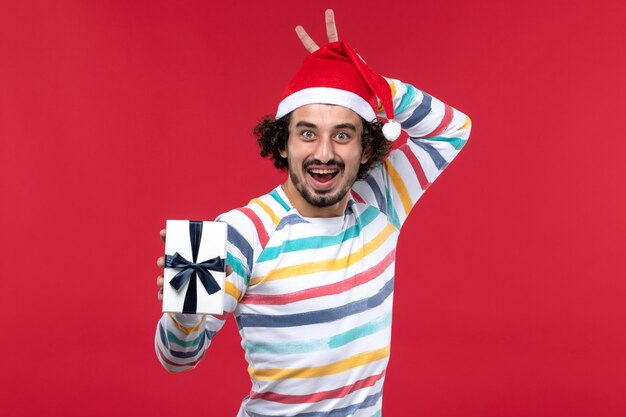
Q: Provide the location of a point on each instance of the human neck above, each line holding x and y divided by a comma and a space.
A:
306, 209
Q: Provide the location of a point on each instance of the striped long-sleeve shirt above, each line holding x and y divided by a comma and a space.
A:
312, 297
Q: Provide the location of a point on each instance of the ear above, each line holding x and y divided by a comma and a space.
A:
283, 152
366, 155
367, 150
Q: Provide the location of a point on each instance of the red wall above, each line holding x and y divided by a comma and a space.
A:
117, 115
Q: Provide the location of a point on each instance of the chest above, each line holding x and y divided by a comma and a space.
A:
312, 266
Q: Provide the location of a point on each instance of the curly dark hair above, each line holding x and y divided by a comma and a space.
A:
272, 134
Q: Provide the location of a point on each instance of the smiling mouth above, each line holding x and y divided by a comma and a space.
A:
323, 175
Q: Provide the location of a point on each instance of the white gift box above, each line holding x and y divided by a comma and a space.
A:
212, 244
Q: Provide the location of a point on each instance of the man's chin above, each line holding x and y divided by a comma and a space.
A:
322, 198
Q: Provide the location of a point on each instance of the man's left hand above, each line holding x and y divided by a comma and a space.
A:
331, 33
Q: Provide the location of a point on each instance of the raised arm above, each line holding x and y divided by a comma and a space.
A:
437, 133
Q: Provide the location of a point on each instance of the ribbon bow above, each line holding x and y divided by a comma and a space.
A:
192, 269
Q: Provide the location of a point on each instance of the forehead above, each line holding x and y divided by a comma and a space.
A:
325, 114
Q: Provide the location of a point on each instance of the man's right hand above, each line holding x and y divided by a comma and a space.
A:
161, 264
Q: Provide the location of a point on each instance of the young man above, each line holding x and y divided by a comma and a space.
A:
311, 264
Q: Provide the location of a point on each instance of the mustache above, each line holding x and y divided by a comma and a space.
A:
330, 164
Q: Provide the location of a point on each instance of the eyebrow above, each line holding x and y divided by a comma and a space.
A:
348, 126
302, 123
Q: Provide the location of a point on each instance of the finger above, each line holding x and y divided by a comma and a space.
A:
161, 262
306, 40
331, 28
162, 233
229, 270
160, 281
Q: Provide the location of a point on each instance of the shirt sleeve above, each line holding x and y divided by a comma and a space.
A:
437, 132
181, 340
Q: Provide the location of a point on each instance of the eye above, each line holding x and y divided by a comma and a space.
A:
343, 136
307, 134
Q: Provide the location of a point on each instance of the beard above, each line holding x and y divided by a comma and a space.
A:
322, 199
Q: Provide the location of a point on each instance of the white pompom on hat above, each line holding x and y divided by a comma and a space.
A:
335, 74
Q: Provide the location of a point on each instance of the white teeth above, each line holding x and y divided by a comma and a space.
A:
323, 171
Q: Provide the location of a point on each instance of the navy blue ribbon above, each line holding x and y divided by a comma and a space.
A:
189, 270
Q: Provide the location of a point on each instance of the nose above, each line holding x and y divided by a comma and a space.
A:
325, 152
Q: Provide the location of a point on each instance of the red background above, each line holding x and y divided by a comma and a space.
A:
115, 116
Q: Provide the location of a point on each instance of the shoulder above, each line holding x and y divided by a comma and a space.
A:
257, 220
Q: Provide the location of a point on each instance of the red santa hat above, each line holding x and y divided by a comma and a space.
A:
335, 74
